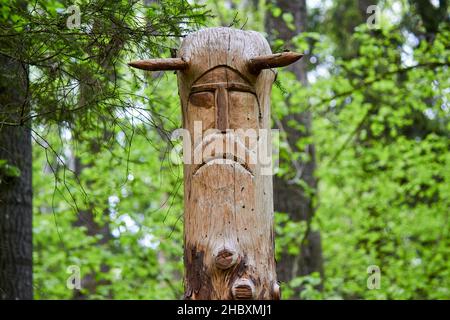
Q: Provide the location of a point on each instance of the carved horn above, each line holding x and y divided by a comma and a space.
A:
160, 64
256, 64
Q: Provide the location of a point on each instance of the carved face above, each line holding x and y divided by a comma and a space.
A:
224, 100
223, 117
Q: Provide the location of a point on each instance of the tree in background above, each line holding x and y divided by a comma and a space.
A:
15, 180
295, 190
381, 120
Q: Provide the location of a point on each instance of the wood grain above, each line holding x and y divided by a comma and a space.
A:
229, 249
160, 64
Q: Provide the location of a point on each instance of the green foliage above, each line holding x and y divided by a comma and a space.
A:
380, 126
381, 131
80, 76
134, 191
290, 241
308, 285
8, 171
100, 135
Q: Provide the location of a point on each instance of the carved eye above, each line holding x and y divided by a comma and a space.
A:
243, 110
202, 99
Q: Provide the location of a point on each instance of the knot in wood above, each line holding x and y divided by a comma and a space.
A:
226, 258
243, 289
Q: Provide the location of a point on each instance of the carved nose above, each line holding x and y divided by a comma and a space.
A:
222, 109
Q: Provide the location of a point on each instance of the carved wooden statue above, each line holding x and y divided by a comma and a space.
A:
224, 81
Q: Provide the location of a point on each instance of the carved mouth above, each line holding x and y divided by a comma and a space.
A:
224, 160
238, 158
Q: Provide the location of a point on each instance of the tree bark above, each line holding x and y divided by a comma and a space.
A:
15, 190
288, 197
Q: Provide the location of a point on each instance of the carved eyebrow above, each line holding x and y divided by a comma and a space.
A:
235, 86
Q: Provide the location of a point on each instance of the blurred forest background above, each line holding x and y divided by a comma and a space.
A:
364, 179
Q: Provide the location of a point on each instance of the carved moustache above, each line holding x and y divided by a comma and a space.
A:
226, 148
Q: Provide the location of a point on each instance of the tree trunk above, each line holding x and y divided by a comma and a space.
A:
224, 80
15, 188
86, 218
288, 197
228, 202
